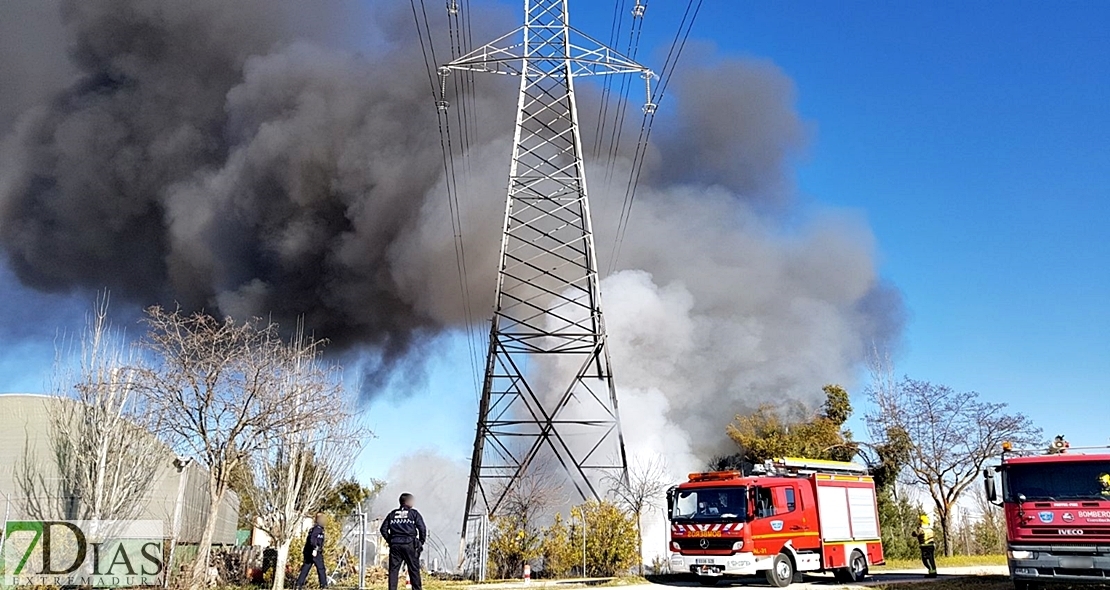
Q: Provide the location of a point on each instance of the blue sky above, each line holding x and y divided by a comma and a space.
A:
975, 139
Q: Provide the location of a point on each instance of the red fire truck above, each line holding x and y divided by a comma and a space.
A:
1057, 507
789, 516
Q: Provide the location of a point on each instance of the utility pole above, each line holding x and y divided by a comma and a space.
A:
181, 465
361, 514
548, 397
583, 514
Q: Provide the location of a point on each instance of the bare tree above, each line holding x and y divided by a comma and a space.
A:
104, 454
641, 491
525, 509
296, 472
220, 391
952, 433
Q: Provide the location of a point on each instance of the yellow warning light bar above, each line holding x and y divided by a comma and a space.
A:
820, 465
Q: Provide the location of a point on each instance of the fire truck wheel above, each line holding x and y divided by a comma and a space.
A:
782, 571
856, 570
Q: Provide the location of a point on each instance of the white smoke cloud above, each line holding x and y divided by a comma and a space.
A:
438, 485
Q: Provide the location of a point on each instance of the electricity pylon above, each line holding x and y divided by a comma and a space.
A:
548, 393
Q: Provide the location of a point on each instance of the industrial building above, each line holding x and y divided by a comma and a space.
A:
179, 488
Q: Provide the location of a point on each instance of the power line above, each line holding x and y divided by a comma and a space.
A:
622, 106
459, 30
427, 47
603, 105
673, 56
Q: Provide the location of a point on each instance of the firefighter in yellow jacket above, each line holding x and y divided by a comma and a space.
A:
924, 535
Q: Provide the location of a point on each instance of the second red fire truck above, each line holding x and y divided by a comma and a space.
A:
789, 516
1057, 507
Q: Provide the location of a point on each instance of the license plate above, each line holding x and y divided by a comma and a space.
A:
1077, 563
703, 561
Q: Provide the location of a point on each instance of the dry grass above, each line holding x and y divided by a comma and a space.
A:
957, 561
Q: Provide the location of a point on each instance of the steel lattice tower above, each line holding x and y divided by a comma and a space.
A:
548, 393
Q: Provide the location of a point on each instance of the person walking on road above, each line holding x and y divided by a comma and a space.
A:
405, 532
925, 540
314, 553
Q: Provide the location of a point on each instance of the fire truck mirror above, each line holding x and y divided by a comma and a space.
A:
988, 486
670, 500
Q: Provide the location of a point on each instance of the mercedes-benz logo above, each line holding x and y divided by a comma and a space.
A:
704, 543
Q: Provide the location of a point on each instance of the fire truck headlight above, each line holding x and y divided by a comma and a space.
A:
674, 546
1017, 554
737, 545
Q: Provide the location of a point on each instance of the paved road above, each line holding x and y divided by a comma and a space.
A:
822, 582
818, 582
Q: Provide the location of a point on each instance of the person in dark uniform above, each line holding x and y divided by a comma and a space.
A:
269, 562
405, 532
314, 553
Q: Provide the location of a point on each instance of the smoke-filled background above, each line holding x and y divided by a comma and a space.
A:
283, 159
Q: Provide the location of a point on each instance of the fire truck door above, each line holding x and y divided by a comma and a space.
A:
778, 519
767, 528
794, 520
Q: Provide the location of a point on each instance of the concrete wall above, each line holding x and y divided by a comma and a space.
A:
25, 438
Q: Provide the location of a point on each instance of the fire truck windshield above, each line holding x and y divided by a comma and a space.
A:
1088, 480
710, 505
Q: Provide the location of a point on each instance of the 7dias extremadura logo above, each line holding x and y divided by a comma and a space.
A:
104, 553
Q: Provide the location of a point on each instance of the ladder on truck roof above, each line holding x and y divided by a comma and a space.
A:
797, 466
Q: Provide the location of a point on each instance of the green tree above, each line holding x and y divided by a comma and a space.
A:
346, 495
517, 529
560, 554
898, 519
611, 547
511, 545
792, 430
333, 548
241, 481
837, 407
990, 529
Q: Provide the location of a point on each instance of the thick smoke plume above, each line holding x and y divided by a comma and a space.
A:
211, 154
272, 159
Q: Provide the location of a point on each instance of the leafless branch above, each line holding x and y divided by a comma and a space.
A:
104, 454
303, 463
220, 390
952, 433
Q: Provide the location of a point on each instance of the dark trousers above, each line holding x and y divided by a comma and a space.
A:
407, 554
310, 561
929, 557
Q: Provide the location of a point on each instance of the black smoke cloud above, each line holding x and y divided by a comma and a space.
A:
211, 154
282, 159
733, 111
